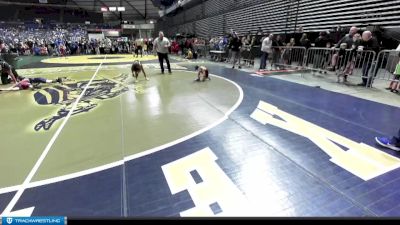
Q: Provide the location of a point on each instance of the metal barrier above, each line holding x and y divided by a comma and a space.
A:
219, 55
202, 50
247, 56
283, 57
386, 62
366, 65
346, 62
318, 59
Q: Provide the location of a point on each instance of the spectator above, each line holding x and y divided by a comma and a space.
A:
266, 50
393, 143
235, 45
367, 43
319, 58
348, 40
287, 54
276, 51
305, 42
189, 54
350, 58
395, 84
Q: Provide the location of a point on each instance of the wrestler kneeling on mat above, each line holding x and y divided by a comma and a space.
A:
202, 75
137, 67
31, 83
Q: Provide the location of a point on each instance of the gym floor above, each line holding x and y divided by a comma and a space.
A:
101, 145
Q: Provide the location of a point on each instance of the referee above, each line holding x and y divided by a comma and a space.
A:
161, 45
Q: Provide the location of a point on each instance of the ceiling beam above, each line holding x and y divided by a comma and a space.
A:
145, 9
80, 7
94, 5
39, 4
104, 4
134, 8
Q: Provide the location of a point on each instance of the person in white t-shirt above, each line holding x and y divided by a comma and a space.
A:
266, 50
161, 45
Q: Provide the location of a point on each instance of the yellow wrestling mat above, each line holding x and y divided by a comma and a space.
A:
96, 59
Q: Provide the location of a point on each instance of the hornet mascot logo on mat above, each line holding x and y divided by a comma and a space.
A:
67, 94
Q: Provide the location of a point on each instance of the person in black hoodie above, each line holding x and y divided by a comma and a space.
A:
306, 43
321, 42
235, 45
368, 43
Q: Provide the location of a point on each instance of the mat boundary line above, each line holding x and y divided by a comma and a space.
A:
47, 149
137, 155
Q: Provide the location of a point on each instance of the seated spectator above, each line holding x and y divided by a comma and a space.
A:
189, 54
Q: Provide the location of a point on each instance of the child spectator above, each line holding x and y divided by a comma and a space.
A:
395, 84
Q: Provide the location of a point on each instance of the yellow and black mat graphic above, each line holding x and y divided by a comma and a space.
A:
65, 95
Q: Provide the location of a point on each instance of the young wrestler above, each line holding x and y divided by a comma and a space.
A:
202, 75
137, 67
28, 83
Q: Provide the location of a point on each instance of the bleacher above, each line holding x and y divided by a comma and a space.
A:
213, 17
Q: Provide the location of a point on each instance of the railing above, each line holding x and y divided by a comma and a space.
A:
344, 62
202, 50
247, 55
367, 65
386, 62
287, 57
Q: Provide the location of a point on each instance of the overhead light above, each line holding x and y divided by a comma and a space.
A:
112, 9
121, 9
151, 21
104, 9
